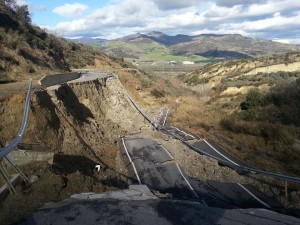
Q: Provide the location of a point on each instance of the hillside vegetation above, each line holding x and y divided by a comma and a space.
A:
249, 107
28, 50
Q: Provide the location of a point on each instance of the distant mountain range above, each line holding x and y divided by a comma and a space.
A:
212, 46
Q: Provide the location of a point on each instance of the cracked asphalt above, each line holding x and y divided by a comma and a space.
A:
156, 168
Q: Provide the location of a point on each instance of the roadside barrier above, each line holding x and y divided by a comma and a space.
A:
238, 167
6, 150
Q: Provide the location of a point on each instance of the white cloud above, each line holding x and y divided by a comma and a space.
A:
272, 6
270, 18
37, 7
127, 15
221, 31
230, 3
70, 10
174, 4
275, 22
219, 12
22, 2
31, 6
288, 41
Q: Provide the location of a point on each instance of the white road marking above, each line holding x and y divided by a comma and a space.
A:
255, 197
190, 186
167, 152
98, 167
135, 171
175, 128
165, 118
220, 153
186, 134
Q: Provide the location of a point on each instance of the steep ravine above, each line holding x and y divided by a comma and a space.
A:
81, 123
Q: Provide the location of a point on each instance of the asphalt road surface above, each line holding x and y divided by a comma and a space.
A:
212, 149
137, 205
155, 167
180, 134
79, 76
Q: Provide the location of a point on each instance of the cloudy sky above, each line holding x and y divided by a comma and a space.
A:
272, 19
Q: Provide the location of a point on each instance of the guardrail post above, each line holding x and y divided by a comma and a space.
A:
285, 189
23, 176
6, 179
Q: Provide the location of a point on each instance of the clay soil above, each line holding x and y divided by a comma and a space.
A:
67, 176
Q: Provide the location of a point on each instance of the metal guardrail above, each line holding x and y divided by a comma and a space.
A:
245, 168
154, 123
239, 167
4, 151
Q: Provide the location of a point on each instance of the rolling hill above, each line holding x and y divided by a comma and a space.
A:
252, 105
163, 54
207, 45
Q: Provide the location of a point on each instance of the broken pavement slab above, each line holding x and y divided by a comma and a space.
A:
130, 207
135, 192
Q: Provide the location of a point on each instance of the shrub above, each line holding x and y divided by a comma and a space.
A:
254, 98
157, 94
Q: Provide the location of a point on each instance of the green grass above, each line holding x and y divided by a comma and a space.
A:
150, 51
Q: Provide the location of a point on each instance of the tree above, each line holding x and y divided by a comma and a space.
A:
23, 14
253, 99
10, 3
7, 5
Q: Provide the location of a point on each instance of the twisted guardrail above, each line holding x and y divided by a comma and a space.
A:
4, 151
238, 167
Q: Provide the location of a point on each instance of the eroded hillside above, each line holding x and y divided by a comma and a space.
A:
29, 51
250, 107
81, 122
215, 72
72, 116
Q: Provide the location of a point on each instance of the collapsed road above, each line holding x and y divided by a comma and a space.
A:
155, 167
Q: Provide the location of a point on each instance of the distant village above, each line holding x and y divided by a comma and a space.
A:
137, 63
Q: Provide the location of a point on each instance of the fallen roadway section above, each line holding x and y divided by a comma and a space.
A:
210, 148
232, 195
154, 166
179, 134
217, 151
137, 205
174, 131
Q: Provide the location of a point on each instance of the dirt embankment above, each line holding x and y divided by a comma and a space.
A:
81, 123
72, 117
275, 68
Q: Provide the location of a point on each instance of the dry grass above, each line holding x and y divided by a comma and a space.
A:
259, 143
193, 114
